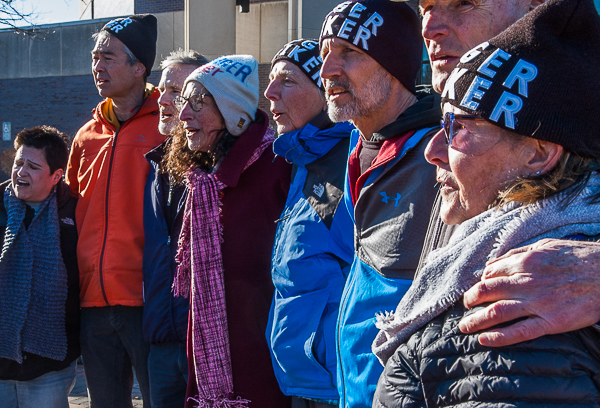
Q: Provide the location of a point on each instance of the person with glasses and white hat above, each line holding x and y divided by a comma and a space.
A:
237, 190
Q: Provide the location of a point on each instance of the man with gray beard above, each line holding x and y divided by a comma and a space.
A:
371, 54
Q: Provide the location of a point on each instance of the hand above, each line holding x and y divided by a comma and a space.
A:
555, 283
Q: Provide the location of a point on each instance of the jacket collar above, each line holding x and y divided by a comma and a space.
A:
233, 164
150, 106
309, 143
426, 112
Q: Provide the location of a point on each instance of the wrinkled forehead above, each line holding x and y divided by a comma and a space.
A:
284, 67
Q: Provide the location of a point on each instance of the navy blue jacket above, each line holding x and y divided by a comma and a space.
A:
311, 259
165, 316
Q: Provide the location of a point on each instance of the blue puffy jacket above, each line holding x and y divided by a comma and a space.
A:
165, 316
311, 258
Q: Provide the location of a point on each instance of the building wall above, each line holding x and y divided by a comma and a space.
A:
91, 9
158, 6
263, 31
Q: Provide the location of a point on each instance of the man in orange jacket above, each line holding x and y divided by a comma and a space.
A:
107, 170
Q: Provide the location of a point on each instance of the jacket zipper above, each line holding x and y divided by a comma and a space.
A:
110, 164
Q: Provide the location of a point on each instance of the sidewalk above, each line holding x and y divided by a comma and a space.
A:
78, 397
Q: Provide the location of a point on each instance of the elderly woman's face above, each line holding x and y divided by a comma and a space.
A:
31, 178
480, 163
204, 127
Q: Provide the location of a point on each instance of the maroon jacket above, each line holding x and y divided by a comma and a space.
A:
252, 203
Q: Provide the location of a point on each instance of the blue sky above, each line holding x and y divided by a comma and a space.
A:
50, 11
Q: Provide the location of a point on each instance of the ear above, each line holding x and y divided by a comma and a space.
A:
140, 69
57, 176
544, 157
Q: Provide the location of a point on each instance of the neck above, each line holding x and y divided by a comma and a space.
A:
400, 99
128, 106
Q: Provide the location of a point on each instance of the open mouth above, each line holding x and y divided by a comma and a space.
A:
190, 132
22, 183
166, 116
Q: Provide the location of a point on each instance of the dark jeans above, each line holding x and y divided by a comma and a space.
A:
168, 370
111, 343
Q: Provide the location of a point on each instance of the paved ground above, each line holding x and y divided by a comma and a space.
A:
79, 399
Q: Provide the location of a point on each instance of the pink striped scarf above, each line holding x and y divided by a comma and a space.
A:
200, 267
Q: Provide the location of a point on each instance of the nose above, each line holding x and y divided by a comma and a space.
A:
97, 65
436, 151
435, 23
163, 99
186, 113
273, 91
331, 67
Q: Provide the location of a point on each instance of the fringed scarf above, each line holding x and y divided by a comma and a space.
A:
450, 271
200, 268
33, 283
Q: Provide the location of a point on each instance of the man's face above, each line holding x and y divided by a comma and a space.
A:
295, 99
356, 85
113, 75
171, 82
453, 27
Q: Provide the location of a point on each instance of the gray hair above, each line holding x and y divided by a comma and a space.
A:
182, 57
103, 35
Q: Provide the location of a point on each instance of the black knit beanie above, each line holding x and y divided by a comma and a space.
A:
305, 55
138, 33
538, 78
388, 31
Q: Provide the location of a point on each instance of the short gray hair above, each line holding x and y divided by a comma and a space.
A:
103, 35
182, 57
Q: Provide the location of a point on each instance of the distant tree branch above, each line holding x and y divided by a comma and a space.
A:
16, 19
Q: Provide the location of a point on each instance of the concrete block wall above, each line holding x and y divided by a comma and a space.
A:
158, 6
263, 31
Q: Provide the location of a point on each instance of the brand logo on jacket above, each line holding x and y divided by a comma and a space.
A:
139, 138
386, 198
319, 189
68, 221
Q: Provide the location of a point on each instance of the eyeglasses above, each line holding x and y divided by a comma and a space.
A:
461, 139
196, 101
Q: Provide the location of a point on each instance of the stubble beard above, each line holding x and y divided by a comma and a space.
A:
166, 128
372, 95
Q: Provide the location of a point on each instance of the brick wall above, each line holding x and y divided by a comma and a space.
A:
65, 103
158, 6
263, 81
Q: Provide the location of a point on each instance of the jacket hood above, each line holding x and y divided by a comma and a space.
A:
309, 143
427, 112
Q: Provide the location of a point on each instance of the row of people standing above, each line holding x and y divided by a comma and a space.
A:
238, 188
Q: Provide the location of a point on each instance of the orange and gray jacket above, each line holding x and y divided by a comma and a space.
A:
107, 170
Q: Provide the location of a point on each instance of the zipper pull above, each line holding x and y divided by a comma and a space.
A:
170, 194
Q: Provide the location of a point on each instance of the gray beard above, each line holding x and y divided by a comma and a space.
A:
377, 91
166, 128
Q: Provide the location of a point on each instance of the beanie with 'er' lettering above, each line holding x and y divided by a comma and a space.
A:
387, 31
538, 78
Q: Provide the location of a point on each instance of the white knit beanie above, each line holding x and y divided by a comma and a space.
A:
233, 82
